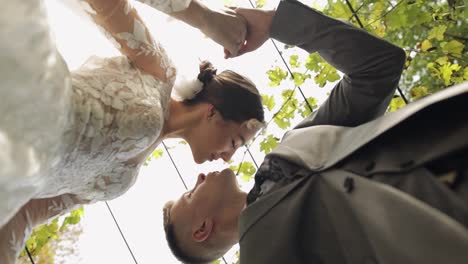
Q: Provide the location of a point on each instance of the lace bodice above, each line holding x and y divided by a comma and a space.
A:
118, 110
88, 131
118, 114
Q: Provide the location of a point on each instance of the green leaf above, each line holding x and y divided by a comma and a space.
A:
416, 15
268, 101
268, 144
287, 94
465, 73
313, 62
447, 70
299, 78
287, 112
396, 103
305, 110
425, 45
282, 121
293, 61
259, 3
73, 218
276, 76
437, 32
378, 28
156, 154
442, 60
339, 9
397, 18
418, 92
245, 170
327, 74
434, 70
453, 47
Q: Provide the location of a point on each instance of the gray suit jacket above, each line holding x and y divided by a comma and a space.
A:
294, 223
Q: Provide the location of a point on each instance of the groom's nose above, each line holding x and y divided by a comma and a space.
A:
201, 177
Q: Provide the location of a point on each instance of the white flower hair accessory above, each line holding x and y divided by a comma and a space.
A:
185, 89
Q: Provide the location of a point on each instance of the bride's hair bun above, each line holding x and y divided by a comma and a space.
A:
207, 71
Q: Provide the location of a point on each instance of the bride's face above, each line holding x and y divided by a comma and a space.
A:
216, 138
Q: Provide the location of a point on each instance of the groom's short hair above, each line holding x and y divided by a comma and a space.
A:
205, 252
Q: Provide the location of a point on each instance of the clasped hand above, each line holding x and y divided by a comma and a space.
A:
239, 30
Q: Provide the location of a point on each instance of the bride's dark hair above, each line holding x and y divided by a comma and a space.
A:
233, 95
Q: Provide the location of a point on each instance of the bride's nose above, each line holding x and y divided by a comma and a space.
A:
227, 155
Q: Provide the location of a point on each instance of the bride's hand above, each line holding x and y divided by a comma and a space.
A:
227, 28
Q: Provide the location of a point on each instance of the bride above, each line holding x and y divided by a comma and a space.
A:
71, 138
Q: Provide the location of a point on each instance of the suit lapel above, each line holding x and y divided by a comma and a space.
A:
320, 147
357, 137
265, 203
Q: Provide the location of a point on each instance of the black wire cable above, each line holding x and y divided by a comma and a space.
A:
354, 14
29, 255
175, 166
121, 233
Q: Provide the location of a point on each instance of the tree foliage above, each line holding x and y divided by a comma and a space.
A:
433, 33
43, 242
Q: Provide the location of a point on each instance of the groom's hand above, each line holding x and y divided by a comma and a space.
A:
227, 28
258, 29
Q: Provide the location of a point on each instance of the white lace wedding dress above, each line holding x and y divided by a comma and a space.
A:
76, 137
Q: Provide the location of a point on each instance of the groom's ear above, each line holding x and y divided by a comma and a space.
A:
202, 231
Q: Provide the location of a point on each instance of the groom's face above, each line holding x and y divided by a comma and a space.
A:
205, 209
209, 195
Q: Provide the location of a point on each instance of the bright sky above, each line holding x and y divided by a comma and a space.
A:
139, 211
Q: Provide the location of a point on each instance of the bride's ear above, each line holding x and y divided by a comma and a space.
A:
203, 231
211, 111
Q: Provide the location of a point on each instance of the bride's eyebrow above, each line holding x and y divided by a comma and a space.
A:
242, 140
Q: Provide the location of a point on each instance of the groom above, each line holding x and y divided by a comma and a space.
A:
318, 197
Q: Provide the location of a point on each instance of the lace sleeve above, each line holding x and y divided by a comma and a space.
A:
13, 235
123, 26
167, 6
